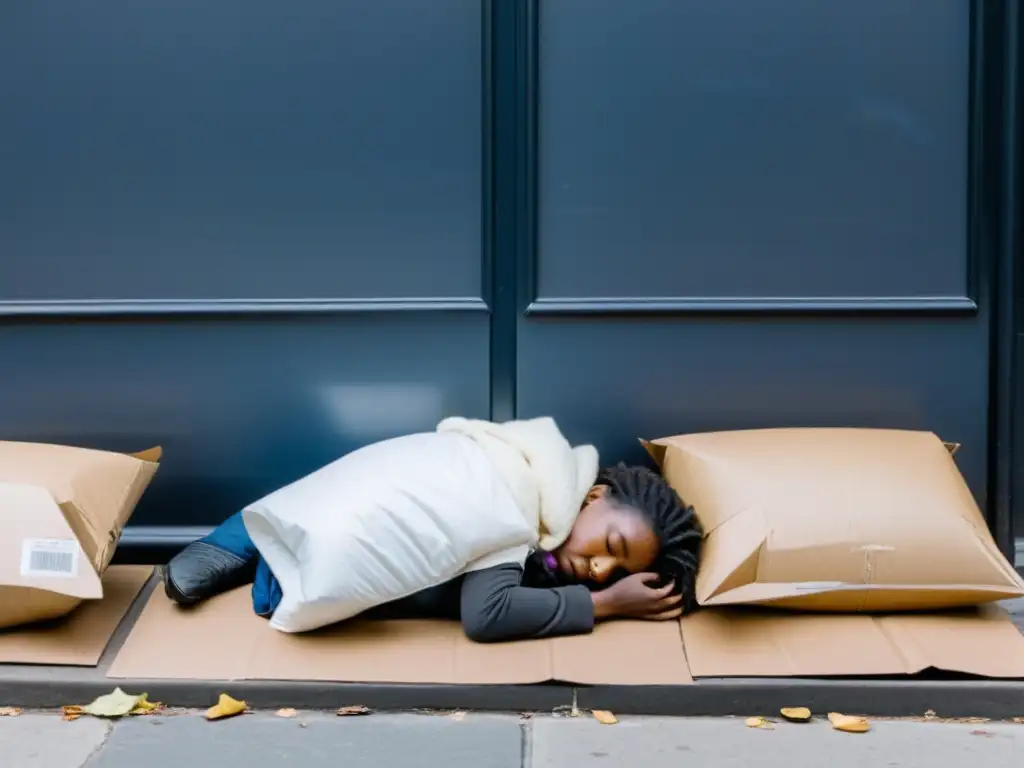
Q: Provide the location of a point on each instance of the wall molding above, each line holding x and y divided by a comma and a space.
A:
743, 305
511, 193
161, 536
103, 308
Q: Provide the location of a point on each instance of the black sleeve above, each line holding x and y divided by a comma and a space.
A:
494, 607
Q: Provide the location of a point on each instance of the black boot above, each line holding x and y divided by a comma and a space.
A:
201, 571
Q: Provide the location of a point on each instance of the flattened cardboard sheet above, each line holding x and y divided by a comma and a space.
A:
79, 638
763, 643
223, 640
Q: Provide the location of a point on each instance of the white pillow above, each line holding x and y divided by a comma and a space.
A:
382, 523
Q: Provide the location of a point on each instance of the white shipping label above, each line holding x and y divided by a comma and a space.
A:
50, 557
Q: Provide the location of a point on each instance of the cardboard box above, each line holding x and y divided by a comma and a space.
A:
80, 638
62, 510
835, 520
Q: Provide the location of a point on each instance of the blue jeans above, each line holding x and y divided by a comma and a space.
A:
232, 536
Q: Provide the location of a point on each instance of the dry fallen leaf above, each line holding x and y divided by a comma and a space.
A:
930, 714
114, 704
760, 722
796, 714
146, 707
10, 711
1017, 720
286, 712
225, 707
604, 717
458, 716
355, 709
849, 723
68, 714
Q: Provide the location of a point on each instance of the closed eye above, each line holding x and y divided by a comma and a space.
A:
616, 545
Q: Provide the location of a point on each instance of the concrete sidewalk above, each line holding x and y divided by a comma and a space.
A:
315, 740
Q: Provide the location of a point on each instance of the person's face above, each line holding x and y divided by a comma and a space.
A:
607, 540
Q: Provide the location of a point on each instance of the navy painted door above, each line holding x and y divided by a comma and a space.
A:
756, 214
248, 230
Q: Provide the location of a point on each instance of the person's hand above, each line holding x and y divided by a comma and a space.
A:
632, 597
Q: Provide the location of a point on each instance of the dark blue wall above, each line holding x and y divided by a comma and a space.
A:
248, 231
779, 157
263, 234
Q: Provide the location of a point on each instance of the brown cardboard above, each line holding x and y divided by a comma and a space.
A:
835, 520
62, 510
760, 643
223, 640
79, 638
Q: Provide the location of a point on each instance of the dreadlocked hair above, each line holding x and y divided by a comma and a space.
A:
678, 530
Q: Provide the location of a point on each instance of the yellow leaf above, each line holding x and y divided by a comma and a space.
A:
146, 707
849, 723
115, 704
286, 712
225, 707
10, 711
796, 714
70, 713
604, 717
760, 722
355, 709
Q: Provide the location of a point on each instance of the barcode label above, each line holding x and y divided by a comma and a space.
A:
49, 557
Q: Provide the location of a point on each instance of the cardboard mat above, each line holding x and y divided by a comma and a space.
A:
79, 638
752, 643
223, 640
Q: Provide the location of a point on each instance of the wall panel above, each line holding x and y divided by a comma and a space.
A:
198, 150
734, 149
251, 232
755, 215
240, 406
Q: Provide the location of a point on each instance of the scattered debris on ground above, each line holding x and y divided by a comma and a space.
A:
604, 717
849, 723
796, 714
353, 711
113, 705
119, 704
226, 707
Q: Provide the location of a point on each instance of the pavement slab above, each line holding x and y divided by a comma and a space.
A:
46, 741
314, 740
653, 742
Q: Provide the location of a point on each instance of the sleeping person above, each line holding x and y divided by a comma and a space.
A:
614, 543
